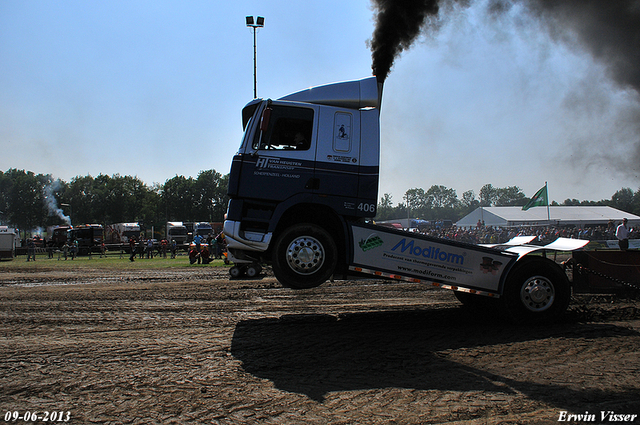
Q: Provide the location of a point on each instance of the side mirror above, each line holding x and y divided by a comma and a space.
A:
266, 117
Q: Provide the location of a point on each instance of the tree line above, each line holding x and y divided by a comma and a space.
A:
439, 202
29, 201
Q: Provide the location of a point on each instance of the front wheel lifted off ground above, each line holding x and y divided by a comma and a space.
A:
304, 256
537, 290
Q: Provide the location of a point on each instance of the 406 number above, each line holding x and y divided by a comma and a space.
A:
367, 208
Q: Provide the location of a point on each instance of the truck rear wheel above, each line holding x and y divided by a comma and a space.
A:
536, 291
304, 256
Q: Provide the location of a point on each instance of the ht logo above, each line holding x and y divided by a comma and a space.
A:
262, 162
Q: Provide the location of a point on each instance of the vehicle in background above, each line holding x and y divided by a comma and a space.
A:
121, 233
176, 231
189, 225
87, 237
39, 241
57, 235
217, 228
7, 242
203, 229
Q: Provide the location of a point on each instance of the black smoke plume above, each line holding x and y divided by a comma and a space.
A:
609, 30
398, 24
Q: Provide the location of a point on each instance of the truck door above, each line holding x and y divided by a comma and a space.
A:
278, 161
338, 159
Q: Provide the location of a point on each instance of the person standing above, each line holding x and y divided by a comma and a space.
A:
197, 239
31, 248
141, 247
622, 233
150, 248
163, 245
132, 249
74, 249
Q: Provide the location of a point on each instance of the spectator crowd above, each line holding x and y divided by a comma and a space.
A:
481, 234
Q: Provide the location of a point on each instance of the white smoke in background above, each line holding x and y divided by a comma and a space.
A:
51, 203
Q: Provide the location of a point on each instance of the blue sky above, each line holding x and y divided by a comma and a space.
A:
154, 89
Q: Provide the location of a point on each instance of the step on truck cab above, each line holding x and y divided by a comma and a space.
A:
305, 181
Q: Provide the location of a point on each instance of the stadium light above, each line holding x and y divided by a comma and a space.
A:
258, 23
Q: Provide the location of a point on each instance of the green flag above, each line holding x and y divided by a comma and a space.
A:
538, 200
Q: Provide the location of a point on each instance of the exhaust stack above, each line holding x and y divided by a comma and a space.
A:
380, 87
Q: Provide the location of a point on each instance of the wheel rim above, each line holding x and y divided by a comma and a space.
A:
305, 255
537, 293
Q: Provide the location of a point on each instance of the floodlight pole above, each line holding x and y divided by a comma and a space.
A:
255, 66
259, 23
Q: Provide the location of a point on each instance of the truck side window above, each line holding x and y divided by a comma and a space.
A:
290, 128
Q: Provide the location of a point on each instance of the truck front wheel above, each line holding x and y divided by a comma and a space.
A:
304, 256
536, 291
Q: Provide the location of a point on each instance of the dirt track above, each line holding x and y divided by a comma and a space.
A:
191, 346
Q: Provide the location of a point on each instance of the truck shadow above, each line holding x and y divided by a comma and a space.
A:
318, 354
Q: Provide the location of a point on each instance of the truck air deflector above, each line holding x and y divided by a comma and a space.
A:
354, 94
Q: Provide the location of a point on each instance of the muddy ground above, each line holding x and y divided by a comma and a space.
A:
192, 346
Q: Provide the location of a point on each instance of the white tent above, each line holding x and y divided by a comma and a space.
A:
537, 216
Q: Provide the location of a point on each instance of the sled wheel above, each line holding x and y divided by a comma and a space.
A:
304, 256
235, 271
536, 291
254, 270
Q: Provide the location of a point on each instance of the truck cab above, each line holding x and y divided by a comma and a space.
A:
310, 157
202, 229
177, 232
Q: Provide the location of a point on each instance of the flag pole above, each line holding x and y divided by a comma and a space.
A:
548, 213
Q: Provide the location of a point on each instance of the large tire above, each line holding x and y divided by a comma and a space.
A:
304, 256
536, 291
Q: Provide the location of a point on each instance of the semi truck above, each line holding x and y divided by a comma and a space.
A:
87, 237
303, 191
203, 229
7, 242
58, 235
177, 232
120, 233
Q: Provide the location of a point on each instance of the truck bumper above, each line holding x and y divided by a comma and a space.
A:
238, 240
